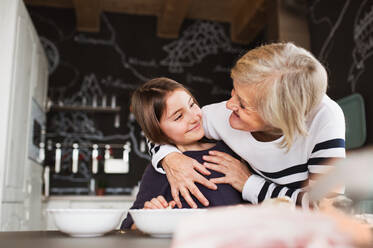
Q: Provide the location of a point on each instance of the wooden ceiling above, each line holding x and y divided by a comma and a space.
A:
246, 17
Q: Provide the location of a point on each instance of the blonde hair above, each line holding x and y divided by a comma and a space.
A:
148, 104
290, 82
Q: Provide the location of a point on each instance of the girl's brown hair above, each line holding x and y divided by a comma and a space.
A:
148, 103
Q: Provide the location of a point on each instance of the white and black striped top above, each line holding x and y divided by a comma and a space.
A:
276, 171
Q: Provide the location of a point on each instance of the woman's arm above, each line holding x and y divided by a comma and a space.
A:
326, 145
254, 188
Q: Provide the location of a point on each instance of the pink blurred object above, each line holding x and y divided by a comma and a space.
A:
260, 226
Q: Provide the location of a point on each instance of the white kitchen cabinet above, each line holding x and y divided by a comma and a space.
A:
85, 201
12, 216
23, 82
19, 106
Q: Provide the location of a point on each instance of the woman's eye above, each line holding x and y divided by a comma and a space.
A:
192, 104
178, 117
241, 106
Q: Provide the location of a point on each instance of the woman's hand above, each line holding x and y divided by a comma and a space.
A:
182, 176
236, 173
158, 203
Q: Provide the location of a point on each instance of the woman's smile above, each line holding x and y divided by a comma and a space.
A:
235, 115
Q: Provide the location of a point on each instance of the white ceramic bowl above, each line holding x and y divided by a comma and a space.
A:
161, 222
86, 222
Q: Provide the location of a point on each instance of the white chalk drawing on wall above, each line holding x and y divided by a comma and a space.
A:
208, 39
52, 54
77, 127
112, 42
197, 41
58, 34
325, 20
79, 124
216, 90
136, 61
363, 40
90, 88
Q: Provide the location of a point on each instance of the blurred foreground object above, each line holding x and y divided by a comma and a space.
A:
269, 226
355, 172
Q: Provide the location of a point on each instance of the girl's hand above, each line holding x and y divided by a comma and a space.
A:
236, 173
158, 203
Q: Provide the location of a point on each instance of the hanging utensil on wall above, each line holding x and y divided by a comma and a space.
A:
95, 159
117, 121
41, 157
75, 158
113, 165
57, 165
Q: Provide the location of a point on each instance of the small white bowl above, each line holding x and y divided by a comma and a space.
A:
86, 222
161, 223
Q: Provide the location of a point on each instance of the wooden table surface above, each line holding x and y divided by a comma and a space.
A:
56, 239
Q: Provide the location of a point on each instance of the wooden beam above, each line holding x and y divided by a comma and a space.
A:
249, 20
136, 7
51, 3
213, 10
88, 13
171, 18
273, 26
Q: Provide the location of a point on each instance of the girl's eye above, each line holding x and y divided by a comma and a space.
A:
178, 117
192, 104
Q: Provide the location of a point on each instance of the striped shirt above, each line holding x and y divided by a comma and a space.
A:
277, 172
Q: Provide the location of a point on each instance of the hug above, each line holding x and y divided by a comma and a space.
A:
276, 134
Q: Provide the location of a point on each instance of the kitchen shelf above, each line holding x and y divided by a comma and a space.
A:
85, 108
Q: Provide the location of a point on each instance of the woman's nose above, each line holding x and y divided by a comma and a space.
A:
231, 104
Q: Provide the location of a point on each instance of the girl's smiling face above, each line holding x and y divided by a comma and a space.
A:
182, 119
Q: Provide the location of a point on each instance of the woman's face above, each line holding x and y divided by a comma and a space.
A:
244, 114
182, 119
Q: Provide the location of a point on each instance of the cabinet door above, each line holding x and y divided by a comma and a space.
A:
20, 99
12, 217
33, 218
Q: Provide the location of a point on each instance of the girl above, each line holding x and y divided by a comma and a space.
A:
169, 114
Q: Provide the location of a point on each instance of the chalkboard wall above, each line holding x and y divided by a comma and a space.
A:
126, 52
342, 38
87, 67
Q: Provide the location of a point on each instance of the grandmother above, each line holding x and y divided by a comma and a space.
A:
279, 120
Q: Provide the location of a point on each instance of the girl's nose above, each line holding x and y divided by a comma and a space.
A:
194, 116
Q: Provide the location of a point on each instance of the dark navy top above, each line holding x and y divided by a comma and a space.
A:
154, 184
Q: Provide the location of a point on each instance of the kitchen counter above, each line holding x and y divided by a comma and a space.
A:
91, 198
56, 239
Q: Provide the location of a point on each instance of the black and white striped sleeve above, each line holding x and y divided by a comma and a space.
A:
158, 152
257, 189
294, 179
322, 156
